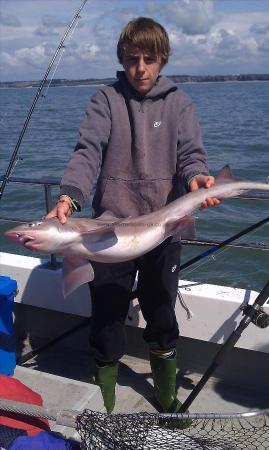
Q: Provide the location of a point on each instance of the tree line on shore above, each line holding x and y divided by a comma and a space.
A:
58, 82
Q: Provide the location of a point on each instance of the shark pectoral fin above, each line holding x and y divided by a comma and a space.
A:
185, 227
76, 271
99, 239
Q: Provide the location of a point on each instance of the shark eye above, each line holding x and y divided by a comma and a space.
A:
34, 224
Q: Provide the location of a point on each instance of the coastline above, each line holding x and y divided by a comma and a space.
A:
103, 84
178, 79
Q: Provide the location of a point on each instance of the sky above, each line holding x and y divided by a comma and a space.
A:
207, 36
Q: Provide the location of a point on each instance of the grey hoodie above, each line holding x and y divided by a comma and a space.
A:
147, 147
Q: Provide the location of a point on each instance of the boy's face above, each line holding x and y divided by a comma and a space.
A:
142, 69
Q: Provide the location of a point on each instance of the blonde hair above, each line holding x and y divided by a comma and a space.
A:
146, 34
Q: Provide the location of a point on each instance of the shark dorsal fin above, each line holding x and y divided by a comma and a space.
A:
107, 215
225, 175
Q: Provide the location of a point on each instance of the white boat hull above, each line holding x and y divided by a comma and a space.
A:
216, 309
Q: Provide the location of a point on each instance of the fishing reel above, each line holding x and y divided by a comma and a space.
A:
260, 318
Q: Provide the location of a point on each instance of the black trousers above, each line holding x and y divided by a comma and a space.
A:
111, 289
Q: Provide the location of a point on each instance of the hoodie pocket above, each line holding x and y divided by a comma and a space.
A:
134, 197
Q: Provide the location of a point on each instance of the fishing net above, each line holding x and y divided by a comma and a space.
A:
146, 431
153, 431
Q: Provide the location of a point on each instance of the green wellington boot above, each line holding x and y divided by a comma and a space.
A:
106, 378
164, 377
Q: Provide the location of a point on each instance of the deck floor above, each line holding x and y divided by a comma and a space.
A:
134, 391
64, 374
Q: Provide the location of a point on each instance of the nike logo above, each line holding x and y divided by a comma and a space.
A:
157, 124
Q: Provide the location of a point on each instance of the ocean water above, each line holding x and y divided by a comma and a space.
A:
235, 121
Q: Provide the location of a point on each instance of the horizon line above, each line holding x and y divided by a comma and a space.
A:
232, 75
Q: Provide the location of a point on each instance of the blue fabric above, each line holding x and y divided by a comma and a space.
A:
43, 441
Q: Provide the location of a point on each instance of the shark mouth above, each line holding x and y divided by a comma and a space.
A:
22, 239
25, 240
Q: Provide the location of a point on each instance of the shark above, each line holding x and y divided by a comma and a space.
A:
109, 239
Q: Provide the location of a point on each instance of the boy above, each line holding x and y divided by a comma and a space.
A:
142, 136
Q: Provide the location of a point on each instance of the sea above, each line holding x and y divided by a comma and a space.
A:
234, 118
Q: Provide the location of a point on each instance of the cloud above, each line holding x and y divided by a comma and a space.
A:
260, 33
30, 56
53, 21
9, 21
192, 17
7, 59
204, 38
264, 46
228, 45
53, 26
50, 25
89, 51
153, 8
45, 32
234, 42
259, 28
33, 56
262, 42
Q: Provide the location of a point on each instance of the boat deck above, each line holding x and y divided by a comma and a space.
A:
234, 387
63, 374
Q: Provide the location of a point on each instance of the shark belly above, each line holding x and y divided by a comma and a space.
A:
131, 243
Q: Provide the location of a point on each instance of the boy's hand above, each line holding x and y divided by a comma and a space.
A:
205, 181
62, 210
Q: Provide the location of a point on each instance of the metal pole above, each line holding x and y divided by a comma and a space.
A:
25, 125
48, 200
215, 248
230, 343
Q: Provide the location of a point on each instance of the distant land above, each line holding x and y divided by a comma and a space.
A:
58, 82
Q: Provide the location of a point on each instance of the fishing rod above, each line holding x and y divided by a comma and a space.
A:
14, 157
224, 243
252, 314
206, 243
